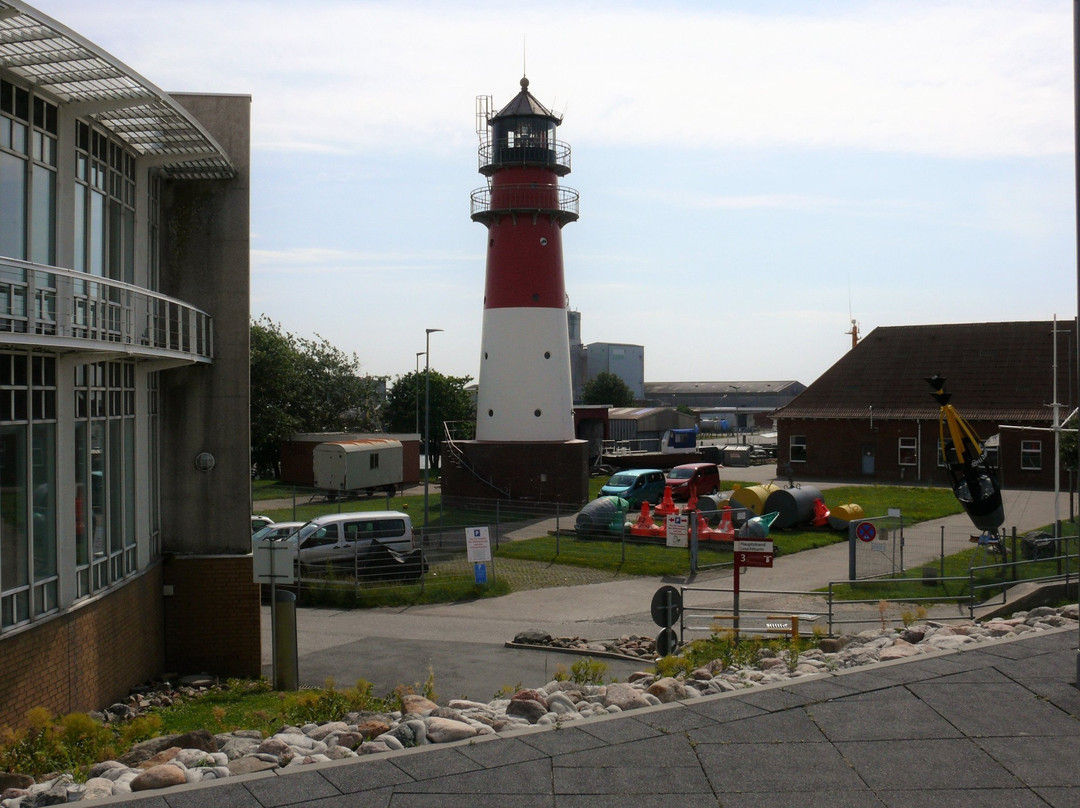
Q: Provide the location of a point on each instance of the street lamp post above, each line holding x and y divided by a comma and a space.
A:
416, 389
427, 418
735, 387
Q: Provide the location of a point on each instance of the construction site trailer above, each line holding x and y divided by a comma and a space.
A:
358, 465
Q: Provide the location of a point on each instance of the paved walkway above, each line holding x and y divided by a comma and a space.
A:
462, 644
993, 726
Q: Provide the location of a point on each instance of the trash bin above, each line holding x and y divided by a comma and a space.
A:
1037, 544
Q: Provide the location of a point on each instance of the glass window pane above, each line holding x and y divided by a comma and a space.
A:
13, 205
82, 543
97, 233
97, 487
44, 474
43, 216
14, 535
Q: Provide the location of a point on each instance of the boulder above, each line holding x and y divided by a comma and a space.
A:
667, 690
447, 730
156, 777
624, 696
529, 709
413, 704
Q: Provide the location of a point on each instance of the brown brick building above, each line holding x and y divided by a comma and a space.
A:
870, 416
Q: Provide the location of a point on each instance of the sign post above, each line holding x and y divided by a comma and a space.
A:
753, 553
271, 562
666, 608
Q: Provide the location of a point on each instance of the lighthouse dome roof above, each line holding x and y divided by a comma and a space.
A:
525, 104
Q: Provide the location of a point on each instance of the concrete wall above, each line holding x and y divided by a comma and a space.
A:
204, 408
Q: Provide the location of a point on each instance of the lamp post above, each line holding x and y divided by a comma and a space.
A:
735, 387
416, 389
427, 418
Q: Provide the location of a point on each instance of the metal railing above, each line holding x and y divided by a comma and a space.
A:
526, 198
43, 305
825, 608
556, 155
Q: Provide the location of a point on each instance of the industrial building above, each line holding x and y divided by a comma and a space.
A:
124, 328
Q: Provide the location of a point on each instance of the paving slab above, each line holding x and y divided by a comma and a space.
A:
897, 714
929, 763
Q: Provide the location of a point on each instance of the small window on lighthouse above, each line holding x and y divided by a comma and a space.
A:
536, 413
491, 413
543, 242
510, 139
547, 354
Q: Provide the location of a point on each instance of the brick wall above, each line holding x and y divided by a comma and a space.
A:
212, 617
538, 472
836, 448
87, 657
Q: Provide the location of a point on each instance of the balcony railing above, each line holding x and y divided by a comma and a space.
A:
554, 155
550, 200
61, 307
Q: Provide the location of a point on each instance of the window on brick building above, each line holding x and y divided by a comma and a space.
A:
1031, 455
907, 452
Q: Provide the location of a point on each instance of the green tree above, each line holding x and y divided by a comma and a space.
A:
607, 388
403, 410
303, 385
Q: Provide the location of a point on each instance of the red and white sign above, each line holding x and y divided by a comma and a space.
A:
866, 531
753, 553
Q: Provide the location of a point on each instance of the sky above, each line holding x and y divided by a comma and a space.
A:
753, 175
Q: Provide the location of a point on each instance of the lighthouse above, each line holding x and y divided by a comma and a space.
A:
525, 447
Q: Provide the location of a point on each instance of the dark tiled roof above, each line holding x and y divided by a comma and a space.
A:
995, 371
524, 103
721, 388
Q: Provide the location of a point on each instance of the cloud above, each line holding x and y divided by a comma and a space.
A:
958, 78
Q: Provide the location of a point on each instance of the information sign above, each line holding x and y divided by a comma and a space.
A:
753, 554
478, 544
678, 530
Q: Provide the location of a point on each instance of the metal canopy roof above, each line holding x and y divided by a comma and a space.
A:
95, 85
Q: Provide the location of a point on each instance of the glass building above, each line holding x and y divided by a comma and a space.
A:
124, 459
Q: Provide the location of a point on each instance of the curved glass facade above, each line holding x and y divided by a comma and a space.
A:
78, 432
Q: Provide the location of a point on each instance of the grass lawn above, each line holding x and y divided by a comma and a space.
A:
909, 586
637, 558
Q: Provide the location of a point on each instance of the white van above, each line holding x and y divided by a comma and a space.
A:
344, 538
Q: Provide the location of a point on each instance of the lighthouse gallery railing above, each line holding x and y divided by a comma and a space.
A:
526, 197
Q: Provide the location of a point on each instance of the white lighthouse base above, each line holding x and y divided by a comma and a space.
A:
520, 471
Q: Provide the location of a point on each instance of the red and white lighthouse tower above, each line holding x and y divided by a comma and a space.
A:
525, 445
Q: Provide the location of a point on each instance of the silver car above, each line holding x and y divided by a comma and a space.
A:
342, 539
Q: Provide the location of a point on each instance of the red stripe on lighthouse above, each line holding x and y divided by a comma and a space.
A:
524, 259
